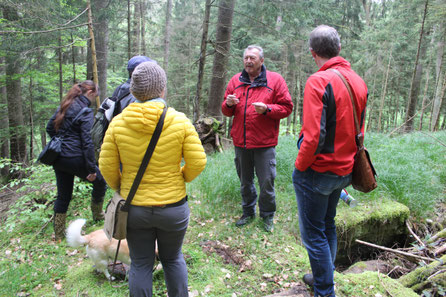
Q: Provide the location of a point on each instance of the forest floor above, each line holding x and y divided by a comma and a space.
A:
226, 261
230, 256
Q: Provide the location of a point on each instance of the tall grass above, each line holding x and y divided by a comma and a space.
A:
411, 170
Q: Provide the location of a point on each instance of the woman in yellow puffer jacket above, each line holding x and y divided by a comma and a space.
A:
159, 210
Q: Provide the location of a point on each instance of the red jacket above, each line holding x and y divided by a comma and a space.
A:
328, 131
250, 129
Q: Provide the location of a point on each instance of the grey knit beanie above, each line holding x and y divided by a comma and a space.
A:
148, 81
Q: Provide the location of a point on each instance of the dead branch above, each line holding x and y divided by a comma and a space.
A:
413, 233
43, 227
436, 273
43, 31
395, 251
439, 234
217, 143
438, 140
436, 277
409, 119
440, 250
382, 284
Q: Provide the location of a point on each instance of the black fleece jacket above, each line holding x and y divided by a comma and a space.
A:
76, 136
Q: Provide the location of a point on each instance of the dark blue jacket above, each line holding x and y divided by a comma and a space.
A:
76, 136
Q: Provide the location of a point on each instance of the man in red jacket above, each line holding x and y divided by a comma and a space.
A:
327, 149
257, 99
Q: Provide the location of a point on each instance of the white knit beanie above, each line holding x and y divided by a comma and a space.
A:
148, 81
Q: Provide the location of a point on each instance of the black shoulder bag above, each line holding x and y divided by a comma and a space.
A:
52, 150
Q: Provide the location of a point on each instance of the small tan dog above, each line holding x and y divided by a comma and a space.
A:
99, 248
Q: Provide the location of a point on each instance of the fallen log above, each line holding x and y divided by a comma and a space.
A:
405, 254
439, 278
422, 274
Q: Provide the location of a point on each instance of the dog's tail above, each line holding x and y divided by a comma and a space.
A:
74, 236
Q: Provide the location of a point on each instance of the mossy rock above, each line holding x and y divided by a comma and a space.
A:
381, 222
370, 283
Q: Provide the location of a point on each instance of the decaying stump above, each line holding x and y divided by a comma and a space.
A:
210, 132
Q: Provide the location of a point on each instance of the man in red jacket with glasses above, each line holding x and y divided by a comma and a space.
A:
326, 153
257, 99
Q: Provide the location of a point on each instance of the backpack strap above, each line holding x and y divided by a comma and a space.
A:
74, 120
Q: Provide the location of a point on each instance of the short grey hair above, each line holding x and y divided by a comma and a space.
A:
253, 46
325, 41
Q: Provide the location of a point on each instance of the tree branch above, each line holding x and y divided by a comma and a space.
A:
43, 31
395, 251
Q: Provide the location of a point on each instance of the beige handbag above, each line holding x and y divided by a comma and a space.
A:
115, 224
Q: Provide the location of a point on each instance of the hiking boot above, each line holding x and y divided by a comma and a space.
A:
97, 212
308, 279
245, 219
59, 226
268, 223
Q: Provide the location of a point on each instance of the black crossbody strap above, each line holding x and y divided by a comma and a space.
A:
145, 160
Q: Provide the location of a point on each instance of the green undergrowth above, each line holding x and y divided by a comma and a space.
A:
222, 260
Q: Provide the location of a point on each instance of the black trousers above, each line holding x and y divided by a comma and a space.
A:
66, 169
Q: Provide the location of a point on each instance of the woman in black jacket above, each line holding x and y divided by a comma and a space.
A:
73, 119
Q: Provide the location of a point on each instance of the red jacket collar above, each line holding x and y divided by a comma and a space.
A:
335, 62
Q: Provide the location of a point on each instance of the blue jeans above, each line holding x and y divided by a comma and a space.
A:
317, 196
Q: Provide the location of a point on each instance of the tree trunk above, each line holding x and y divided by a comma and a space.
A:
222, 47
31, 120
167, 34
202, 61
423, 103
129, 30
371, 104
59, 53
73, 57
366, 7
439, 80
14, 98
438, 104
383, 95
416, 79
93, 51
101, 34
136, 30
291, 120
4, 130
143, 10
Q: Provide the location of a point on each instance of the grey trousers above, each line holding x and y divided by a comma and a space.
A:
167, 226
263, 162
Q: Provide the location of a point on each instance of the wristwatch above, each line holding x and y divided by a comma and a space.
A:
267, 110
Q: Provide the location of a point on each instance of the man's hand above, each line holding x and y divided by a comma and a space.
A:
260, 107
91, 177
232, 100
